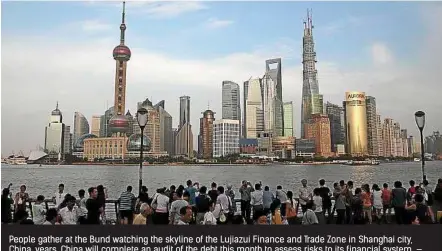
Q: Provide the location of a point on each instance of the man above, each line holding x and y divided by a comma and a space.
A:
325, 194
185, 216
126, 200
231, 194
191, 190
213, 194
267, 199
202, 204
305, 195
245, 190
70, 213
180, 200
59, 196
348, 199
141, 218
39, 211
93, 207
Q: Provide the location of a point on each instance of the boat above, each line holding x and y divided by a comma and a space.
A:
417, 160
362, 163
16, 160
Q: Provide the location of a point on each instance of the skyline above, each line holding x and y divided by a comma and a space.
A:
80, 65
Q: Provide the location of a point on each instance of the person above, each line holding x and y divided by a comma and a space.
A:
398, 201
209, 218
231, 194
340, 208
38, 211
180, 200
20, 216
377, 202
423, 212
317, 206
7, 202
185, 216
267, 199
126, 200
357, 208
325, 194
59, 196
203, 203
309, 217
213, 193
305, 195
437, 200
291, 212
143, 197
82, 205
245, 190
281, 196
257, 200
386, 203
69, 215
191, 190
51, 217
101, 198
93, 207
411, 190
21, 198
141, 218
348, 198
161, 204
367, 202
223, 211
429, 193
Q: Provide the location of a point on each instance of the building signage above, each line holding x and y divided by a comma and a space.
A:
355, 96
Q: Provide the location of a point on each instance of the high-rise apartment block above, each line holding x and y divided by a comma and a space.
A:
335, 115
288, 119
253, 112
205, 138
272, 98
81, 125
226, 133
372, 131
231, 101
356, 123
96, 122
184, 135
57, 134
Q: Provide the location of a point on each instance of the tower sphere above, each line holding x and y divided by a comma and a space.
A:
134, 143
122, 53
118, 123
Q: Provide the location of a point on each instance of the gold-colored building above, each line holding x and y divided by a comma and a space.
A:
105, 148
356, 123
96, 122
318, 129
283, 146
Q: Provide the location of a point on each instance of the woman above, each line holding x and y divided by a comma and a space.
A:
357, 208
417, 209
377, 201
101, 199
21, 198
367, 202
317, 206
143, 197
160, 204
7, 202
291, 209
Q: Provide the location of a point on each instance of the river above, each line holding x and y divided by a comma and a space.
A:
44, 180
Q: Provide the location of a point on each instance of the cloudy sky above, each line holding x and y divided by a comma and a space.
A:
62, 51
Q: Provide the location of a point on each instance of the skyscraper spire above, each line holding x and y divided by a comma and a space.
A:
123, 25
56, 106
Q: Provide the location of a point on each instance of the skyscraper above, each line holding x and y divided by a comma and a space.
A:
312, 101
334, 113
81, 126
166, 139
205, 147
184, 110
288, 119
225, 137
96, 122
55, 133
318, 129
372, 132
119, 124
254, 117
67, 140
104, 123
380, 135
153, 126
231, 101
356, 123
272, 96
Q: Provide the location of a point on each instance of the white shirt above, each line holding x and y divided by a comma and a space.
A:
38, 214
317, 200
377, 199
69, 217
222, 204
162, 202
209, 219
59, 197
304, 192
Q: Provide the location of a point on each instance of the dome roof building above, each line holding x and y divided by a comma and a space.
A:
79, 143
134, 143
118, 124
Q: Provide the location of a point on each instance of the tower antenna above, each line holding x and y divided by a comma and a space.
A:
56, 106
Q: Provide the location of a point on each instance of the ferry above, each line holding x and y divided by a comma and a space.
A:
16, 160
362, 163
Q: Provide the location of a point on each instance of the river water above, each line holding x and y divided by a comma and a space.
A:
44, 180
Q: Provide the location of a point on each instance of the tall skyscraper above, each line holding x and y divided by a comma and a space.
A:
312, 101
55, 133
254, 117
372, 131
119, 124
334, 113
184, 110
104, 123
272, 97
389, 142
225, 137
153, 127
288, 119
67, 140
96, 122
380, 135
184, 135
131, 122
356, 123
166, 132
231, 101
81, 126
205, 147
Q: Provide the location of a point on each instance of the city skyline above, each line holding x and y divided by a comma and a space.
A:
72, 83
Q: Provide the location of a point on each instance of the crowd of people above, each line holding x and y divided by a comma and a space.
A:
195, 204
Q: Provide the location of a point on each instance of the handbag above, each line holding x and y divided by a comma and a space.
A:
290, 211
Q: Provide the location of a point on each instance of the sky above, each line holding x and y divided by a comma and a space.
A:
62, 51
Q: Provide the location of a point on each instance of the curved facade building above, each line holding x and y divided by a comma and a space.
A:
79, 143
81, 126
356, 123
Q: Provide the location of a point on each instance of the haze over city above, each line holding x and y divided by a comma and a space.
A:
62, 51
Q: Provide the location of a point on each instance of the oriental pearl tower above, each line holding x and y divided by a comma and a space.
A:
119, 124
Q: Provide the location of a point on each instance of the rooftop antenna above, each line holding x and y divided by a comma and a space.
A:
208, 105
56, 107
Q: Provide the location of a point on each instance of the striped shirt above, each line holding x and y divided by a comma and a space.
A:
126, 201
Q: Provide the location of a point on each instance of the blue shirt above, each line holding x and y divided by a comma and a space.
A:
191, 191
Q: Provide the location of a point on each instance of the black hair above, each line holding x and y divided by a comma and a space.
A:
186, 193
129, 188
221, 189
213, 184
183, 210
81, 193
91, 190
189, 183
203, 190
412, 182
321, 182
397, 184
385, 185
61, 185
40, 198
266, 188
